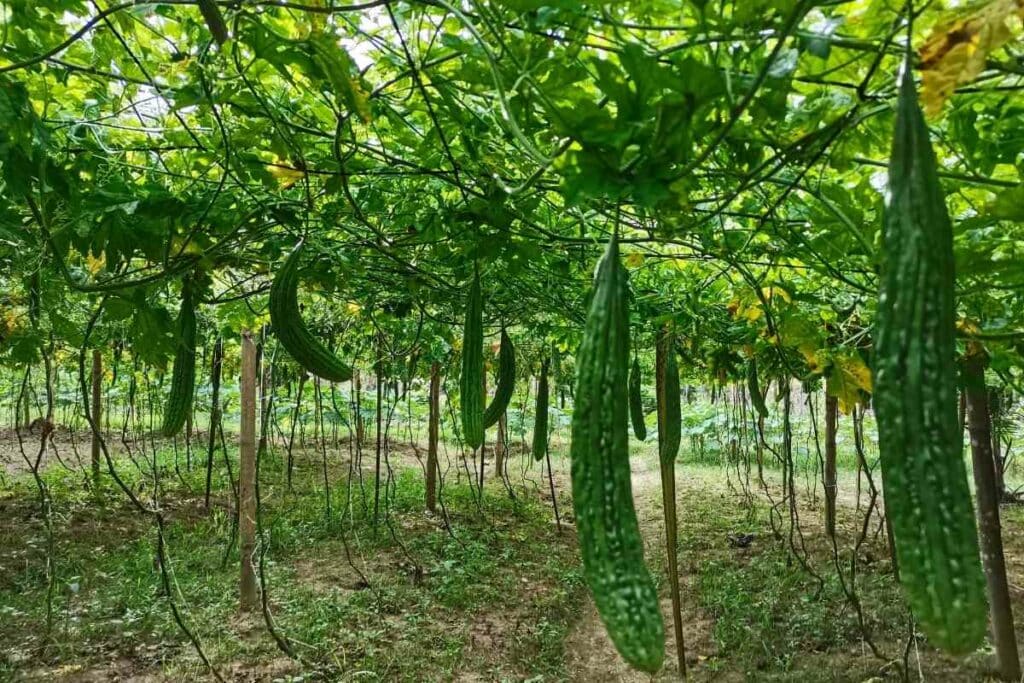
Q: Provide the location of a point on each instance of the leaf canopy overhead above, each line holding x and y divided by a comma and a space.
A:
741, 147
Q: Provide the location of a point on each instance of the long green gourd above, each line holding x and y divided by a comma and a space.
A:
636, 403
754, 389
183, 376
609, 536
920, 442
291, 331
540, 414
471, 382
506, 382
670, 430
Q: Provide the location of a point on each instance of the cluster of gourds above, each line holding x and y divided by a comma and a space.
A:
929, 503
474, 417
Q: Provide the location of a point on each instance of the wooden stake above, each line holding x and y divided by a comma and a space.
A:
96, 410
432, 429
831, 419
247, 474
990, 537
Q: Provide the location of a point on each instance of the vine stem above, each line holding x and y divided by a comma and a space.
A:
163, 561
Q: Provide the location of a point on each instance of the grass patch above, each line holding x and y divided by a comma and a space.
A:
494, 598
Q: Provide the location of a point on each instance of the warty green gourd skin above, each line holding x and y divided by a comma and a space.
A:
920, 442
606, 523
291, 331
183, 375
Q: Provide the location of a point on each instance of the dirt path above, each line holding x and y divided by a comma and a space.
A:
590, 653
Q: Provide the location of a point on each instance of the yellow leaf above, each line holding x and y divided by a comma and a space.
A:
813, 357
967, 326
95, 263
769, 292
285, 175
634, 260
848, 378
955, 52
192, 248
353, 308
741, 309
753, 313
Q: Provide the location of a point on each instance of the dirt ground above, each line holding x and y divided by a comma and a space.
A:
589, 654
592, 657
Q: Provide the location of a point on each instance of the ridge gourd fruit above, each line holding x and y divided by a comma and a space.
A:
183, 376
471, 382
506, 382
636, 404
606, 523
920, 442
291, 331
540, 414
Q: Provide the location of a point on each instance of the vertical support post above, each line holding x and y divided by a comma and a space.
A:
829, 475
96, 410
432, 430
247, 474
990, 537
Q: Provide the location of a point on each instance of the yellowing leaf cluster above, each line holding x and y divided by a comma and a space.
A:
634, 260
955, 52
95, 263
285, 175
749, 307
849, 377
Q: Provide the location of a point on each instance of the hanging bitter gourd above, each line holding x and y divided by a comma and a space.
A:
636, 403
291, 331
506, 381
609, 536
183, 375
926, 490
670, 423
754, 389
540, 415
471, 382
